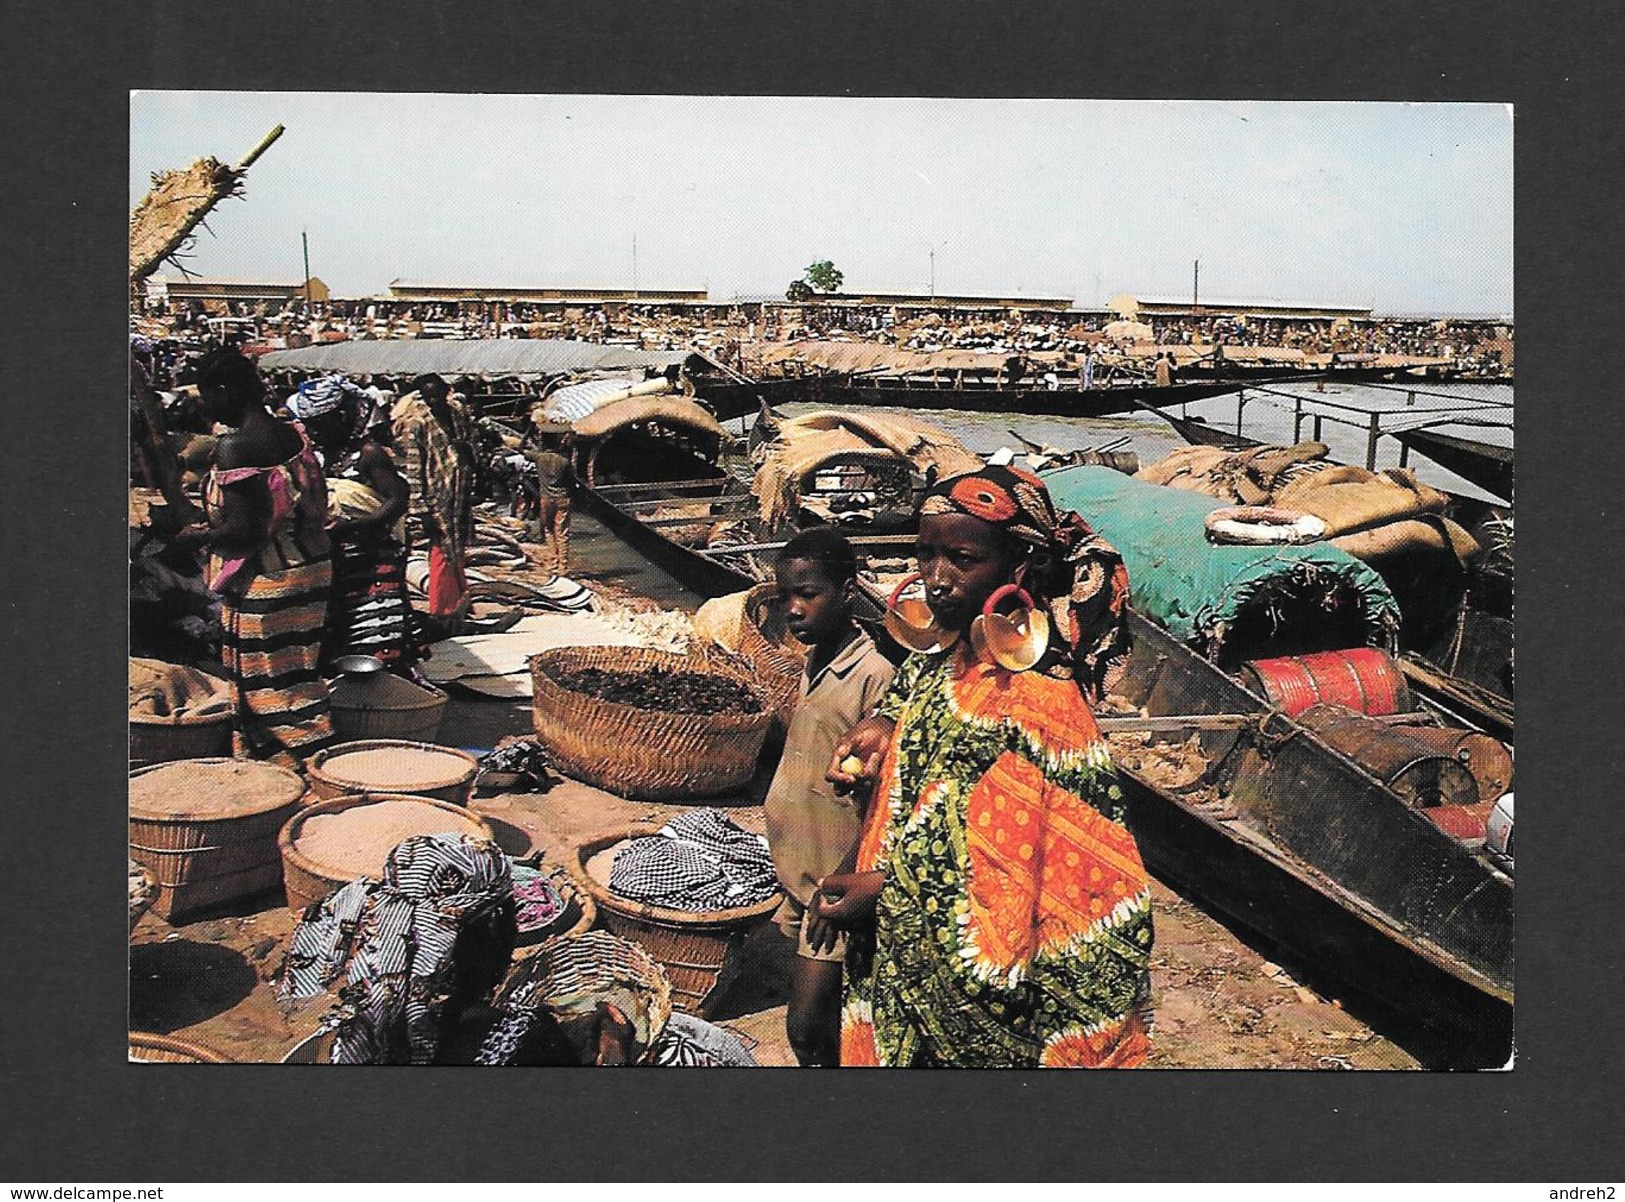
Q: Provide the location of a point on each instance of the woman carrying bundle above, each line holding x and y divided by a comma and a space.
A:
1011, 915
270, 563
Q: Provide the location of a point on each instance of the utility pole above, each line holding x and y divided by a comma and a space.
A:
304, 239
1196, 279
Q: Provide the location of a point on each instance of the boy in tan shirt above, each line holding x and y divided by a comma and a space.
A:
811, 831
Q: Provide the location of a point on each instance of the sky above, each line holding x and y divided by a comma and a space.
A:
1404, 207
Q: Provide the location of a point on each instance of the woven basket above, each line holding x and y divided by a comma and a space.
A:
201, 861
455, 788
692, 948
772, 651
581, 912
417, 719
146, 1048
570, 972
307, 881
641, 753
193, 737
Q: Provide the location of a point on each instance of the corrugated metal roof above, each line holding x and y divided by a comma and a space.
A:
1254, 303
485, 357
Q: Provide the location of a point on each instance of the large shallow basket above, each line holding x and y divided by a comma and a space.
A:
772, 651
454, 786
146, 1048
692, 947
307, 880
387, 707
190, 737
642, 753
203, 859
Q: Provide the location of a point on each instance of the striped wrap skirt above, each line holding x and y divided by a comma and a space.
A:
271, 650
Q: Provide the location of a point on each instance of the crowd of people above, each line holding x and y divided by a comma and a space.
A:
312, 501
960, 887
1474, 346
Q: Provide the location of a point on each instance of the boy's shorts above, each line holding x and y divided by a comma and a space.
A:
793, 918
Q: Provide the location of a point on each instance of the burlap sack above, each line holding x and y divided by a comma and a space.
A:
1347, 503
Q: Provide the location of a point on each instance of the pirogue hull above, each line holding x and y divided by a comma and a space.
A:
1324, 860
1307, 848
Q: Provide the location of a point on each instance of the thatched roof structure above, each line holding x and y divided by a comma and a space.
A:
669, 410
801, 445
178, 202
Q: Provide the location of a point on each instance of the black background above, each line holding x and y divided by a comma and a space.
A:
75, 1111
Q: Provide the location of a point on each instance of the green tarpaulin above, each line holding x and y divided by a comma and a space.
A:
1194, 588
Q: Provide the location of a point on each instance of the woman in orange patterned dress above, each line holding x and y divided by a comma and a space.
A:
1010, 910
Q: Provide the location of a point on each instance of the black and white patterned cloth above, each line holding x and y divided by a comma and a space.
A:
684, 1042
689, 1042
392, 942
699, 862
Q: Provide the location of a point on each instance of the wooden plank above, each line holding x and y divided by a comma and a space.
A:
859, 543
615, 490
1162, 723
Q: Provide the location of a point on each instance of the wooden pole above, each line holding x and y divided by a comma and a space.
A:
264, 145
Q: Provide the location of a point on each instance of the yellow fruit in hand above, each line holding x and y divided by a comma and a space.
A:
852, 766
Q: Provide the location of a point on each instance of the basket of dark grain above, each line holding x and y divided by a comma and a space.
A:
648, 724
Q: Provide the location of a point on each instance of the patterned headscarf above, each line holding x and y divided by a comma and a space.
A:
321, 396
1090, 620
393, 941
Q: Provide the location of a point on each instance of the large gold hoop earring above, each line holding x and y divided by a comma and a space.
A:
910, 621
1015, 642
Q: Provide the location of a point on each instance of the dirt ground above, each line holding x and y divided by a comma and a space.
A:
1220, 1002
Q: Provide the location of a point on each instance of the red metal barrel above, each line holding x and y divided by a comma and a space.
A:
1486, 757
1407, 765
1365, 679
1467, 823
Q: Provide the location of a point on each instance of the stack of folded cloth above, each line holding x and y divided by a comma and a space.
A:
700, 861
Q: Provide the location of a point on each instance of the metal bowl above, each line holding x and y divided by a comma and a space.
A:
359, 665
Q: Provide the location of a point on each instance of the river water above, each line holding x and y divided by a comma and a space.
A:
1267, 417
598, 555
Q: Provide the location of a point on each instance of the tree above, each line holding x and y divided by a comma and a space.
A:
823, 276
798, 291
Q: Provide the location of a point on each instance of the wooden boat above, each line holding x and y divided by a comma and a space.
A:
1059, 402
1485, 464
1462, 669
736, 397
1264, 819
1300, 843
1281, 832
665, 479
